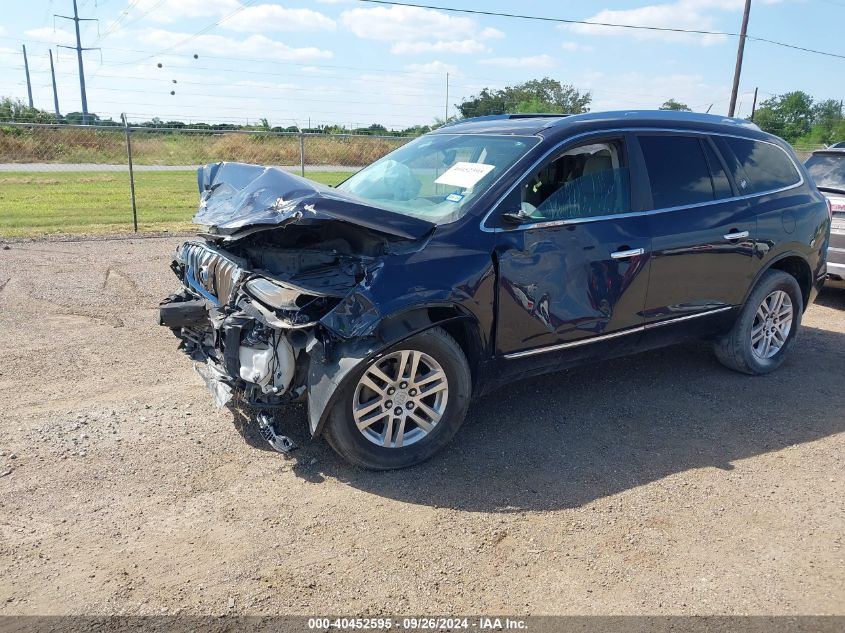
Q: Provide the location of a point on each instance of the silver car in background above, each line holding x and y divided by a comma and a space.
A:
827, 167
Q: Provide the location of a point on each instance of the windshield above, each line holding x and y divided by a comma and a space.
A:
436, 177
828, 170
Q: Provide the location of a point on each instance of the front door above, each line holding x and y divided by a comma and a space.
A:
573, 268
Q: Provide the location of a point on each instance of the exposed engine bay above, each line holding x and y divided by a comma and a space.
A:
274, 287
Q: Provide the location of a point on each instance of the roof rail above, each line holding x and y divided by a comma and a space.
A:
664, 115
538, 115
503, 117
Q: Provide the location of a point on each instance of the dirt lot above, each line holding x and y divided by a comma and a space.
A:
657, 484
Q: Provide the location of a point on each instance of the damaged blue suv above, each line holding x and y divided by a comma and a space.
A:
487, 251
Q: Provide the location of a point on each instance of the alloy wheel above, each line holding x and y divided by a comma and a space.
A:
772, 324
400, 398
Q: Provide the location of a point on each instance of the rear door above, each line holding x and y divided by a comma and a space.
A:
702, 233
575, 272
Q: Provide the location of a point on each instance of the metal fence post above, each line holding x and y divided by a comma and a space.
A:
301, 154
131, 172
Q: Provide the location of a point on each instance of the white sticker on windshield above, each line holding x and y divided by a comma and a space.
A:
464, 175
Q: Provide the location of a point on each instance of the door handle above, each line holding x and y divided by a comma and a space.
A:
626, 254
736, 235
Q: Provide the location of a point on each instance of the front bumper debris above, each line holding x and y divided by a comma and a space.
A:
217, 383
280, 443
276, 301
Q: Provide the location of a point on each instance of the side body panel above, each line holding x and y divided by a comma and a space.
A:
795, 224
559, 284
695, 268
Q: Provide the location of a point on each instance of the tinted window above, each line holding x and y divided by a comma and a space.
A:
677, 170
766, 166
828, 170
587, 180
721, 184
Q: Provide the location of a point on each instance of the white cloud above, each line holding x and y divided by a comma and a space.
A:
453, 46
489, 33
433, 68
173, 10
272, 17
639, 90
415, 30
48, 34
573, 47
256, 46
529, 63
681, 14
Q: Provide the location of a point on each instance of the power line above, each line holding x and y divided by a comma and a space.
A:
286, 99
323, 90
638, 27
151, 54
116, 23
242, 7
465, 84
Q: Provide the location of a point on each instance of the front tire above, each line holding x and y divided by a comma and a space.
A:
765, 331
404, 406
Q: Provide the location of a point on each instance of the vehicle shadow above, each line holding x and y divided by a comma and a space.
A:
565, 439
832, 298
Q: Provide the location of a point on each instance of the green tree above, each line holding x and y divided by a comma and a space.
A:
789, 115
538, 95
677, 106
535, 106
828, 124
76, 118
16, 110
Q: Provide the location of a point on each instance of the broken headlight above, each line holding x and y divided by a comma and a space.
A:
273, 294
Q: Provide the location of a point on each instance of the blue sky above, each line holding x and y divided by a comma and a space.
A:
344, 61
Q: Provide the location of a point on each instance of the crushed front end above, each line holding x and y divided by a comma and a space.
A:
278, 285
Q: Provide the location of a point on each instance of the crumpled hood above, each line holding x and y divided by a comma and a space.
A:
234, 196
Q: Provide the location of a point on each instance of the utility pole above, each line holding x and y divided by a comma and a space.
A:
739, 52
446, 120
55, 91
754, 105
78, 48
28, 82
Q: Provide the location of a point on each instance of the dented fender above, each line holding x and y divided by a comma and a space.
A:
330, 366
373, 317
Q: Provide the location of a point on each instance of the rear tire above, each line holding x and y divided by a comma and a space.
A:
389, 417
765, 330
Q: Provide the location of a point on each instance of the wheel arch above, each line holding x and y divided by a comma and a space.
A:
327, 378
792, 263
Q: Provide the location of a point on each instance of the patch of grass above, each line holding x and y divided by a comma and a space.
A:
36, 203
79, 145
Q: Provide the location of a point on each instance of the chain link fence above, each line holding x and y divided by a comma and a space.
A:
77, 179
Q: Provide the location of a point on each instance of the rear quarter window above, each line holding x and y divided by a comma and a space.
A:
761, 166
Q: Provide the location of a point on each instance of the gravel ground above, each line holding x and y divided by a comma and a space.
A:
661, 483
